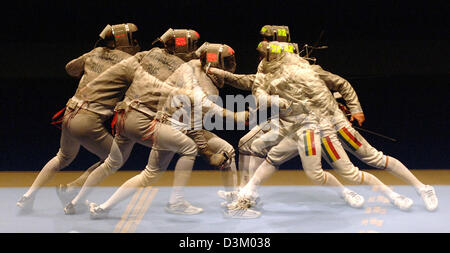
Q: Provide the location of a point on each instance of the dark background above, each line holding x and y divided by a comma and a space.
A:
395, 54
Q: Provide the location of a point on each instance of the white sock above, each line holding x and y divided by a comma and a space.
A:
93, 179
369, 179
253, 165
80, 181
264, 172
44, 176
243, 169
229, 176
125, 190
182, 174
332, 181
396, 168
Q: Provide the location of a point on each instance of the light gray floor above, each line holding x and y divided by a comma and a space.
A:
286, 209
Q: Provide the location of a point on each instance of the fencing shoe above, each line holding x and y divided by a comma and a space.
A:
69, 209
402, 202
25, 203
183, 207
96, 212
240, 209
65, 195
429, 197
352, 198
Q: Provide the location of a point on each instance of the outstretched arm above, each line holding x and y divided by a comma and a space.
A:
238, 81
341, 85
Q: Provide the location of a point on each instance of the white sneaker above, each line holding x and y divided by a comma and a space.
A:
240, 209
25, 203
183, 207
228, 196
96, 212
240, 203
257, 203
402, 202
69, 209
353, 199
429, 197
65, 195
255, 200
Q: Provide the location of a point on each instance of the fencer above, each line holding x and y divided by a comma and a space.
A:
135, 114
82, 121
189, 76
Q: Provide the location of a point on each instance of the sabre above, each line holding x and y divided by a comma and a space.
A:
315, 46
348, 114
375, 133
307, 48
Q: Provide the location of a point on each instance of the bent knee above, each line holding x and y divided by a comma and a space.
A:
113, 164
150, 175
355, 177
275, 160
190, 151
376, 160
347, 170
187, 147
64, 160
105, 170
258, 148
317, 176
190, 157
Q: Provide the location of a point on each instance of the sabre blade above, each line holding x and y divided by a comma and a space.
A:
375, 133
